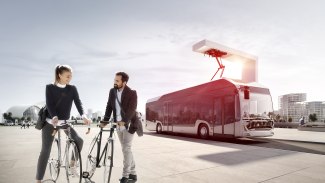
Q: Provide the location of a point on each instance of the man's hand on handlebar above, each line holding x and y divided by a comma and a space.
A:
102, 124
121, 123
87, 122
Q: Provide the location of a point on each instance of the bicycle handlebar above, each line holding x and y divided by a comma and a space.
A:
55, 129
109, 122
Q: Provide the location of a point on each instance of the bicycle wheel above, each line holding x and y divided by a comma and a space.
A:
108, 162
54, 161
73, 164
91, 158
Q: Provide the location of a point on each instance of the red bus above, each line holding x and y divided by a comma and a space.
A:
218, 108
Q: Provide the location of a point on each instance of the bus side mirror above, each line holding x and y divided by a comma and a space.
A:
246, 92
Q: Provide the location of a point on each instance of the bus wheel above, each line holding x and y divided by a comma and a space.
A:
159, 128
203, 131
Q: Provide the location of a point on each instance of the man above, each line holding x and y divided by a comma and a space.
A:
302, 121
23, 124
122, 101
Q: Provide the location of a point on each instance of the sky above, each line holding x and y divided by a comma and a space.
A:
152, 41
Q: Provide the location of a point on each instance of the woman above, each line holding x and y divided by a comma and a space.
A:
59, 98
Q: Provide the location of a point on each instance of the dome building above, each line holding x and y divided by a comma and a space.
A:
25, 111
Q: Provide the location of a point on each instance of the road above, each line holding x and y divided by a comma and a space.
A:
172, 158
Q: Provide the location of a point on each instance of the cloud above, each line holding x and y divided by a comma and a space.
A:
153, 43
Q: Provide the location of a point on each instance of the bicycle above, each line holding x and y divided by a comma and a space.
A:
71, 157
95, 157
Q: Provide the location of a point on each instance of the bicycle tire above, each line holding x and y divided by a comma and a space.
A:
54, 162
92, 158
108, 163
72, 151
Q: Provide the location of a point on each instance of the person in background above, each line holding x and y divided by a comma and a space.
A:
302, 121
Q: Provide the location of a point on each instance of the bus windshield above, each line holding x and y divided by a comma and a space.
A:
258, 106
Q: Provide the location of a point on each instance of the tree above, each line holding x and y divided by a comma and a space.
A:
8, 116
278, 117
29, 118
313, 117
290, 119
271, 115
5, 115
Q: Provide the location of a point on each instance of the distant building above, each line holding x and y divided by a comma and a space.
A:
295, 106
323, 106
1, 118
292, 106
24, 111
316, 107
97, 114
90, 114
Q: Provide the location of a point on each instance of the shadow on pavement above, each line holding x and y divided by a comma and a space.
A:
296, 146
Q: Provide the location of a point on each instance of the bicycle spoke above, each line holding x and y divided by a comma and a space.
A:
73, 164
54, 162
91, 158
108, 162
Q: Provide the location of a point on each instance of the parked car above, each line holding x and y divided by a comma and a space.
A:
9, 123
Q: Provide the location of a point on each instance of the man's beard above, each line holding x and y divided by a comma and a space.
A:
116, 86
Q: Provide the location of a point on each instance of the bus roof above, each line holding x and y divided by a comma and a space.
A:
225, 84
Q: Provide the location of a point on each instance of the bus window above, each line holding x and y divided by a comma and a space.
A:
149, 114
186, 113
160, 116
218, 112
204, 110
175, 113
257, 106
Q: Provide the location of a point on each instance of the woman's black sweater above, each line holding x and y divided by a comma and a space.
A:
59, 101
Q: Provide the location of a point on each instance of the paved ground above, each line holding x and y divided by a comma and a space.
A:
297, 135
178, 159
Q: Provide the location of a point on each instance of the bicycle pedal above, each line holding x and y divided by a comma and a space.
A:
85, 175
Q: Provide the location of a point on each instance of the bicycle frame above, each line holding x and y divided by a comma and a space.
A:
99, 140
68, 140
99, 152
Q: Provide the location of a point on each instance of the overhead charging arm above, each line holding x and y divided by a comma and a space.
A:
217, 54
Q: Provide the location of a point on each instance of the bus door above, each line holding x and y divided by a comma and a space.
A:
167, 124
224, 111
229, 115
218, 116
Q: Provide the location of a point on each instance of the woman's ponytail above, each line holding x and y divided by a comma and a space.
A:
59, 69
